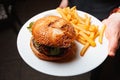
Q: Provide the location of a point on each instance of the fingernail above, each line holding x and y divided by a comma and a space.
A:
112, 54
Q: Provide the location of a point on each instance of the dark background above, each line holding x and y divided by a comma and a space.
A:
12, 66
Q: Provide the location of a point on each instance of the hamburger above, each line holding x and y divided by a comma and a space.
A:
52, 38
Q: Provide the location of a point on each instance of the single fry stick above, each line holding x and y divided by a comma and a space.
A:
87, 19
92, 35
101, 34
84, 49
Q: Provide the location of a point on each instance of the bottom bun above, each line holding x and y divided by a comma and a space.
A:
69, 55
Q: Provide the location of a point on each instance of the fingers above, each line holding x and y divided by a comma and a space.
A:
113, 46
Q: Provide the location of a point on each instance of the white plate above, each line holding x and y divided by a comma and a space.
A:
93, 57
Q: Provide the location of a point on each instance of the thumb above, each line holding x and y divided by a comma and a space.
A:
63, 4
113, 46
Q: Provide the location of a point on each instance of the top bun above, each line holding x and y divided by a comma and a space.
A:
53, 31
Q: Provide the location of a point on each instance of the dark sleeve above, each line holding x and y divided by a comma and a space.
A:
98, 8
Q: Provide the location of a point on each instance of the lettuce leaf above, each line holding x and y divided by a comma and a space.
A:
30, 26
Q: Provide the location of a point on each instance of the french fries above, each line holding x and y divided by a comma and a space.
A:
84, 49
86, 32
